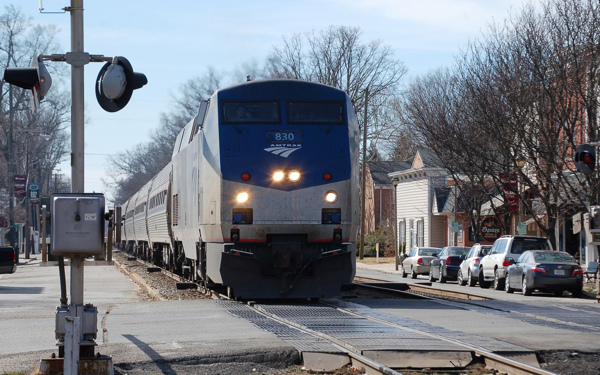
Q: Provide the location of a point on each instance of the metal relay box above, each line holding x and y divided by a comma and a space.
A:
89, 321
77, 224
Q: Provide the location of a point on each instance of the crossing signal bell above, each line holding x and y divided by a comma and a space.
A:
35, 78
115, 84
585, 158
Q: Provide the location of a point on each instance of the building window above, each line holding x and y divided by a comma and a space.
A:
420, 233
402, 236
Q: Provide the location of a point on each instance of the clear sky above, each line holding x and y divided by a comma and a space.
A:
173, 41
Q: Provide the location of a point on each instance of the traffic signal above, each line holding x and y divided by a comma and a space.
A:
115, 84
36, 78
585, 158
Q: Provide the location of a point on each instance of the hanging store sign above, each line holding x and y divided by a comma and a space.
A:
20, 185
491, 229
510, 186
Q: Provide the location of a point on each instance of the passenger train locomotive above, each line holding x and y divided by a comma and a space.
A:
260, 196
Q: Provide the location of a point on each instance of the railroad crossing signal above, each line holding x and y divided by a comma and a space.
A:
35, 78
115, 84
585, 158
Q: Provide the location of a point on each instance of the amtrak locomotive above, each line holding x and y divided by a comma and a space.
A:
260, 196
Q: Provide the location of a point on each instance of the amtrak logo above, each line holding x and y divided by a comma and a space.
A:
283, 151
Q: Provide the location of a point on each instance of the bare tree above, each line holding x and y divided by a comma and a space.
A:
528, 90
39, 141
337, 57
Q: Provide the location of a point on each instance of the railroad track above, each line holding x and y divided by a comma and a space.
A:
415, 289
372, 360
356, 356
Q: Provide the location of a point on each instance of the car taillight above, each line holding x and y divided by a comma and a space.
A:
507, 262
448, 261
538, 269
578, 271
475, 260
420, 261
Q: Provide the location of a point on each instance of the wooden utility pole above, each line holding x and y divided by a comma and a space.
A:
363, 192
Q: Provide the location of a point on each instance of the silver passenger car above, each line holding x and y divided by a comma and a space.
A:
419, 261
469, 268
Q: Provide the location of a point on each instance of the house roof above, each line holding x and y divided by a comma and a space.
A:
425, 159
380, 169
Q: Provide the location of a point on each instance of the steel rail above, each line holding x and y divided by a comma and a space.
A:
429, 289
495, 361
352, 352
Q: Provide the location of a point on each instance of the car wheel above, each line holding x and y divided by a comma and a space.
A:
526, 290
470, 279
482, 283
431, 278
558, 293
507, 287
413, 274
443, 278
404, 273
498, 282
577, 293
460, 279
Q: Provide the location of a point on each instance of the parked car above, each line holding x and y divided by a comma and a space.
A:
8, 259
548, 271
468, 274
418, 261
504, 252
446, 265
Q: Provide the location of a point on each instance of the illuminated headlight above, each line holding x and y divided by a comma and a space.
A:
331, 196
278, 175
243, 197
295, 175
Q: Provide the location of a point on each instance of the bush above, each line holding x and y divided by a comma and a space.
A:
384, 237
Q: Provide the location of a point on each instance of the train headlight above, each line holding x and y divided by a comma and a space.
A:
243, 197
278, 175
295, 175
331, 196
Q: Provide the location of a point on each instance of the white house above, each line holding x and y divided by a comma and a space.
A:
417, 224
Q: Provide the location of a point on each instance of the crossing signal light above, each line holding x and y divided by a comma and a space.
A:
585, 158
115, 84
35, 78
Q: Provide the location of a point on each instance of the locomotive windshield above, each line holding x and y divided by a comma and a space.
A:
316, 112
263, 112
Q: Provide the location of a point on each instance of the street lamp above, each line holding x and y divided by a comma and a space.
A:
395, 182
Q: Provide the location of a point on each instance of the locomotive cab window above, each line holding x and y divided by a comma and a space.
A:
316, 112
250, 112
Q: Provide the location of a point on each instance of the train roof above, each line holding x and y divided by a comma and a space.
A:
275, 82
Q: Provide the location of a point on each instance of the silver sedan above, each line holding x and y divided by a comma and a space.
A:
419, 261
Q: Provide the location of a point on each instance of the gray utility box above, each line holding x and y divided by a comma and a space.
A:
77, 224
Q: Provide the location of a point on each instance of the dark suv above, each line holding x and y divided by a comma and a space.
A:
503, 253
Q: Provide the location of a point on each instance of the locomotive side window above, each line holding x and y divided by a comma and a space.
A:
250, 112
316, 112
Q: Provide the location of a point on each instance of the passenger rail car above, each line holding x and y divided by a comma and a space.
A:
261, 195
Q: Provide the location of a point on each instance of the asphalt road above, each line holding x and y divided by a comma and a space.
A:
538, 322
